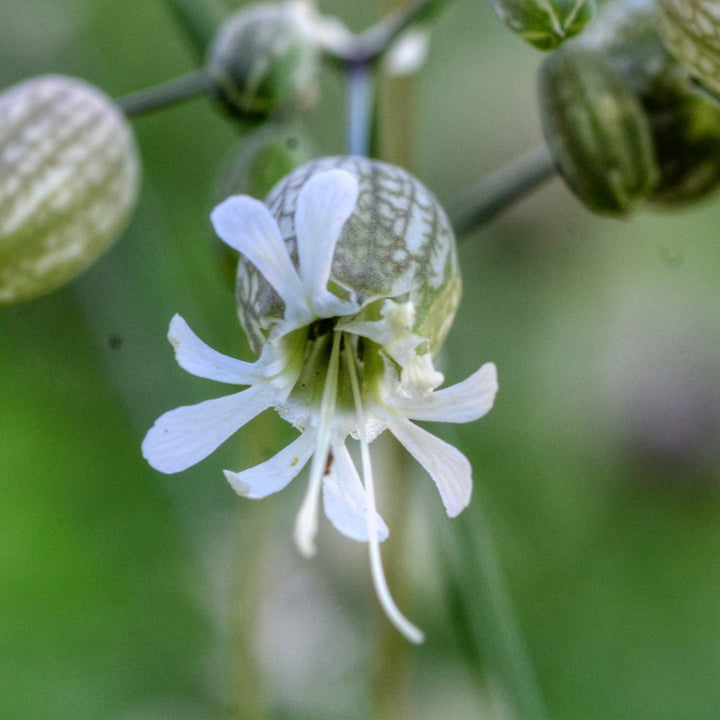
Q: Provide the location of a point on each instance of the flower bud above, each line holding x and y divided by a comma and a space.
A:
545, 23
264, 59
689, 28
69, 176
596, 130
685, 122
397, 243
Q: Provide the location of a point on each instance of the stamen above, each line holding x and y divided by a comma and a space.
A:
306, 523
410, 631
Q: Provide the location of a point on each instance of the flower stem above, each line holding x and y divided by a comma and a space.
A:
360, 101
496, 191
165, 94
369, 46
487, 621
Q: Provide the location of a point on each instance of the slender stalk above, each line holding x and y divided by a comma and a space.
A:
394, 138
496, 191
489, 626
165, 94
359, 104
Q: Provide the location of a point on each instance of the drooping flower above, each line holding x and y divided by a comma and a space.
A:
347, 285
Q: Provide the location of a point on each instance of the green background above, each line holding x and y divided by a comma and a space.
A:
126, 594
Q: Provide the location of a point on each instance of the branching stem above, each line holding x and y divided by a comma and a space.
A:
369, 46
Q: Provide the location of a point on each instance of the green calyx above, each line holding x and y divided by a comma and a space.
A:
597, 131
69, 176
397, 244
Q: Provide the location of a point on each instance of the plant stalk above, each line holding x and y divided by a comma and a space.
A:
165, 94
493, 193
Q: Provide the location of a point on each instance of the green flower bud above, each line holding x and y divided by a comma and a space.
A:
260, 159
69, 176
545, 23
690, 30
397, 243
685, 123
265, 59
596, 130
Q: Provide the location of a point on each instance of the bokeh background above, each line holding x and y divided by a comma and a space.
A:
128, 595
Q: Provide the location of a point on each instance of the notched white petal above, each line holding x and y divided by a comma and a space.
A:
246, 225
197, 358
344, 498
183, 437
277, 472
463, 402
324, 204
447, 466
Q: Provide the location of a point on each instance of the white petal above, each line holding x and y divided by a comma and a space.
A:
274, 474
345, 500
408, 53
466, 401
246, 225
324, 204
185, 436
447, 466
193, 355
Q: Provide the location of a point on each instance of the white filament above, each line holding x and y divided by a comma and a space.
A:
410, 631
306, 524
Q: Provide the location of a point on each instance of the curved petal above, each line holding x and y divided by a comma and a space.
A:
185, 436
344, 498
246, 225
193, 355
324, 204
274, 474
447, 466
466, 401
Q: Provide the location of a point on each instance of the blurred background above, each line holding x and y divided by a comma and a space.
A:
129, 595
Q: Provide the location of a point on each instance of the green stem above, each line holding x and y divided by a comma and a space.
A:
360, 105
488, 622
493, 193
165, 94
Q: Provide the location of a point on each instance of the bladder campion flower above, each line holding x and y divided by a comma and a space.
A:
347, 285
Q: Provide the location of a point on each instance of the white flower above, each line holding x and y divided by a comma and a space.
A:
336, 362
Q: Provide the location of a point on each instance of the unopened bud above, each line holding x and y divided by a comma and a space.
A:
69, 176
597, 131
265, 59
